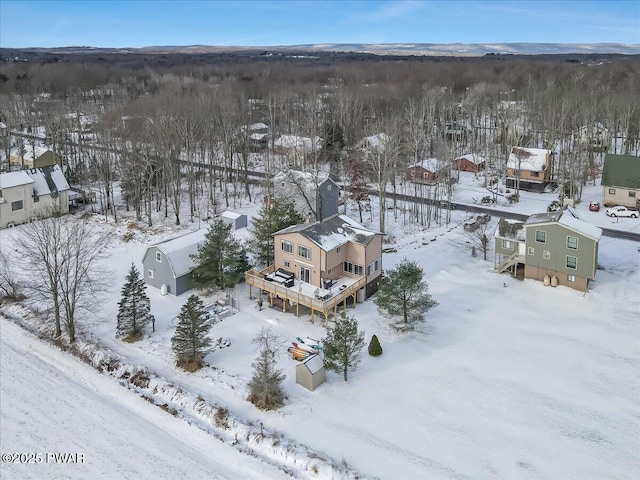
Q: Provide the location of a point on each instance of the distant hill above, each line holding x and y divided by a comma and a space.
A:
416, 49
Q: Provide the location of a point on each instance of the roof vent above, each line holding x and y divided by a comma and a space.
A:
340, 230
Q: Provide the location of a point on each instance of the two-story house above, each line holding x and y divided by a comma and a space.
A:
621, 180
297, 149
530, 168
553, 245
424, 171
36, 192
320, 264
313, 195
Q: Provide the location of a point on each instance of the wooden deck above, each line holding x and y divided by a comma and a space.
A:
295, 297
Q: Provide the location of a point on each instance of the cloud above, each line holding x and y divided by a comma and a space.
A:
388, 11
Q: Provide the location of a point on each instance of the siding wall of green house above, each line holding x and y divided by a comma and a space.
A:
556, 245
501, 250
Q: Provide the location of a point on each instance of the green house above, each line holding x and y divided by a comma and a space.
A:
621, 180
558, 247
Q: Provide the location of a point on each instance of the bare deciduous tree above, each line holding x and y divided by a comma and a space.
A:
9, 284
59, 256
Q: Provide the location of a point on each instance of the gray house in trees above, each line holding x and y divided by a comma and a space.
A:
168, 265
314, 197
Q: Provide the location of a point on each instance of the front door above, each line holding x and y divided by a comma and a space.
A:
305, 274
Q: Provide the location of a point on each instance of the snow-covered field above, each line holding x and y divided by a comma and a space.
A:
507, 379
53, 403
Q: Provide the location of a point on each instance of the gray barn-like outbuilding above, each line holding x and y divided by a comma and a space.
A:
169, 263
311, 372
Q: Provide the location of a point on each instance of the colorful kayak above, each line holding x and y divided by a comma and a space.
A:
310, 342
305, 347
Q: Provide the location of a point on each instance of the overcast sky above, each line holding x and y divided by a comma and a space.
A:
291, 22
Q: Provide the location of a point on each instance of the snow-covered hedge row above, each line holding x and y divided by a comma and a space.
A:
297, 460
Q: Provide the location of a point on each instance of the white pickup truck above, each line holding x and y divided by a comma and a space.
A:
620, 211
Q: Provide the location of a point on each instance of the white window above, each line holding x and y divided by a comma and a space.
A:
612, 191
287, 264
16, 205
546, 254
572, 243
632, 194
373, 267
158, 257
304, 252
353, 268
507, 244
571, 262
571, 278
150, 274
338, 250
530, 251
541, 236
286, 246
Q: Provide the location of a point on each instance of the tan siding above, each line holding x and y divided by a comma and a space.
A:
621, 197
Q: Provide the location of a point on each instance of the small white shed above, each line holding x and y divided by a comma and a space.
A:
311, 373
236, 220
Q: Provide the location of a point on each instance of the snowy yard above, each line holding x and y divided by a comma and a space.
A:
507, 379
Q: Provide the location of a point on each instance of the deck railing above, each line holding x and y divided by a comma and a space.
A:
256, 278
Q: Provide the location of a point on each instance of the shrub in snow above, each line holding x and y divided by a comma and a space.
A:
375, 349
343, 346
134, 310
221, 259
265, 387
191, 342
405, 295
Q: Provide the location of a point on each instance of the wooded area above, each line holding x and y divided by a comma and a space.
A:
181, 134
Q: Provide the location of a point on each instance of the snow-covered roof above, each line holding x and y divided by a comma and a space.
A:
258, 136
533, 159
473, 158
570, 219
430, 164
14, 179
257, 126
582, 227
2, 125
47, 180
29, 151
179, 250
314, 363
304, 144
230, 215
332, 232
376, 141
305, 180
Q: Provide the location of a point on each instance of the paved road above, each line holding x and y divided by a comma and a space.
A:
258, 176
609, 232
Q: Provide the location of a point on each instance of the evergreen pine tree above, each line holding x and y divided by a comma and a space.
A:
265, 387
405, 295
343, 346
375, 349
134, 310
190, 342
272, 217
221, 259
